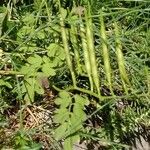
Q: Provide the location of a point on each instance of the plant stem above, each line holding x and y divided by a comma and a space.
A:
10, 72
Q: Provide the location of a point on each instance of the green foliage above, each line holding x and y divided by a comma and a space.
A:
37, 66
96, 56
23, 142
70, 117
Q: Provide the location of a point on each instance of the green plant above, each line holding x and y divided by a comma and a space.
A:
95, 55
70, 116
24, 142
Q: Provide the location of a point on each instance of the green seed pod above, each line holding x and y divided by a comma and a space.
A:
91, 50
86, 54
66, 46
105, 52
120, 59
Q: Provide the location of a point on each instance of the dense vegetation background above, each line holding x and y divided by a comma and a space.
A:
74, 71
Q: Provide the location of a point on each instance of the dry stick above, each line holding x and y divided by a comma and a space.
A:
86, 54
91, 50
30, 112
105, 52
66, 47
120, 59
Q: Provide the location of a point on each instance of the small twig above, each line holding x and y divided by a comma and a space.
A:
29, 111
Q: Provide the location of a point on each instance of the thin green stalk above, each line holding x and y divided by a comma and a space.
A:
21, 113
148, 79
66, 46
48, 12
91, 50
10, 72
120, 59
39, 11
128, 96
105, 52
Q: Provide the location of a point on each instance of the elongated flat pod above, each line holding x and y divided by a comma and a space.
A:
74, 41
120, 59
66, 46
86, 54
106, 58
91, 50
